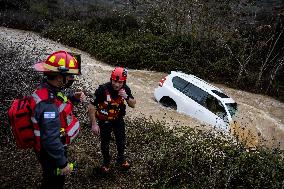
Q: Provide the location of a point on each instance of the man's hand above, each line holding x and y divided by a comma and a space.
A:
130, 101
122, 93
92, 114
80, 96
66, 170
96, 129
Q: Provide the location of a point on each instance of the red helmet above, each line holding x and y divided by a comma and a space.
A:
61, 62
119, 74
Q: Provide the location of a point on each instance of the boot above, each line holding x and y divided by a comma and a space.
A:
125, 165
105, 169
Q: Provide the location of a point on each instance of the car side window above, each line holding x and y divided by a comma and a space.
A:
195, 93
179, 83
215, 106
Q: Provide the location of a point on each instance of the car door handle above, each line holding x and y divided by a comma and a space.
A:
199, 111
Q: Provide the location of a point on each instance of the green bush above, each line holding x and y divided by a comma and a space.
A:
118, 40
113, 22
68, 32
141, 41
14, 5
187, 158
22, 19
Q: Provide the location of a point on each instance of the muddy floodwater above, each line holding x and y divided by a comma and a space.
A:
262, 115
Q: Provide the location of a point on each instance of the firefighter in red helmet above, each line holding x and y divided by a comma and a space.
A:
54, 123
107, 111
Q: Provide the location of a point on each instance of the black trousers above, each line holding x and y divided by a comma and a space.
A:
49, 178
118, 128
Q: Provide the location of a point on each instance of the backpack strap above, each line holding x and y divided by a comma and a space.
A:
41, 94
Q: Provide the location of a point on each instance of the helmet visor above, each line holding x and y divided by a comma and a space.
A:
39, 67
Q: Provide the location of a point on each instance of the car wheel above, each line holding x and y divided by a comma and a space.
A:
168, 102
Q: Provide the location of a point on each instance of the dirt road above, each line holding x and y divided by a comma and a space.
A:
262, 115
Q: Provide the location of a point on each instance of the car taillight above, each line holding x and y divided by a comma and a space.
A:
162, 81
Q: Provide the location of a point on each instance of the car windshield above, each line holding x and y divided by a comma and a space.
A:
232, 107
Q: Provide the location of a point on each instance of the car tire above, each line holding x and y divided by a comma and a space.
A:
168, 102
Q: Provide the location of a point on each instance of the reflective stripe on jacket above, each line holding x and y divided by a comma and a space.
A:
69, 123
109, 109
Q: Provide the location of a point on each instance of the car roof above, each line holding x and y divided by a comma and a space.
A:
214, 91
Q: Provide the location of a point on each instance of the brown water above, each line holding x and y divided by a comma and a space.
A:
261, 115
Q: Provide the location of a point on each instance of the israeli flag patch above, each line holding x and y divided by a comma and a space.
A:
49, 115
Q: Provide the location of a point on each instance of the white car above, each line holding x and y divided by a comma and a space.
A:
197, 98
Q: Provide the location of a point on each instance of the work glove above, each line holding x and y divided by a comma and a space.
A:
66, 170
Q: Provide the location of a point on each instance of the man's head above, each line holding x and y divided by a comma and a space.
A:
60, 80
118, 78
59, 68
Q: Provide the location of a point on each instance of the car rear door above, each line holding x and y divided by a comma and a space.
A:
197, 97
184, 104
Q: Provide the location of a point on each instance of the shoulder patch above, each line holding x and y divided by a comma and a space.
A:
49, 115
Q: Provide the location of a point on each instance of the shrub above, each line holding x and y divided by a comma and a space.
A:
187, 158
113, 22
22, 20
72, 33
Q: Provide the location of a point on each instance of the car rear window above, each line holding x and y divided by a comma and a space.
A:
179, 83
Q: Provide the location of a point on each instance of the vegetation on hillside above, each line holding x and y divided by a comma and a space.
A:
236, 43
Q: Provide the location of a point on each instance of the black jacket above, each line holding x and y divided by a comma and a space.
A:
51, 142
100, 95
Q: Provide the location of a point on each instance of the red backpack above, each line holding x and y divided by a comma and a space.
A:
19, 115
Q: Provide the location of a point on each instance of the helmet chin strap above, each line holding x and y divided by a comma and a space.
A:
64, 79
67, 83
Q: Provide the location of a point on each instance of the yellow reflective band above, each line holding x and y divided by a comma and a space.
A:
52, 58
61, 62
71, 64
62, 96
